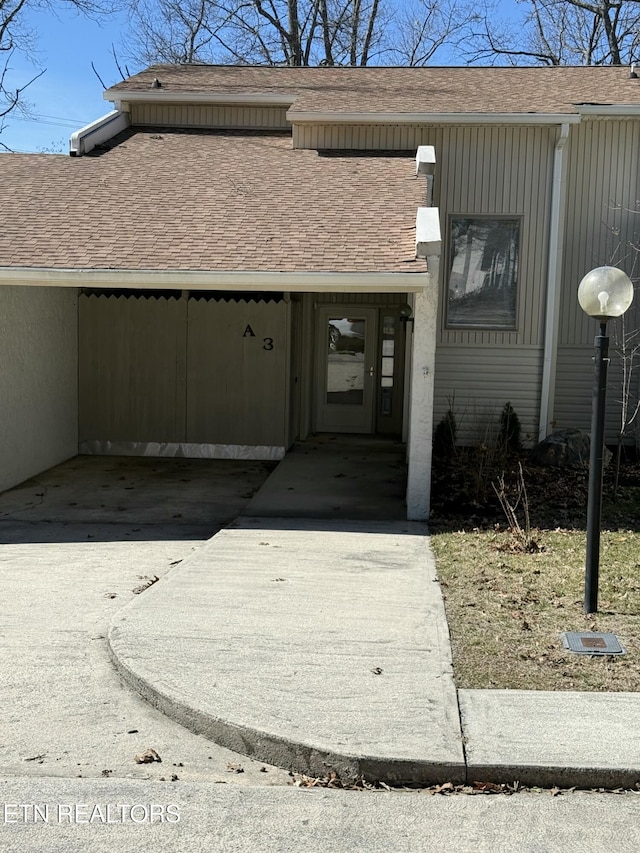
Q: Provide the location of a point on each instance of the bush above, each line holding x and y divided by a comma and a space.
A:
444, 437
510, 438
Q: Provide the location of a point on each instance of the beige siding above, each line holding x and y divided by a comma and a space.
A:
208, 116
480, 380
132, 356
237, 385
602, 227
574, 392
385, 137
603, 213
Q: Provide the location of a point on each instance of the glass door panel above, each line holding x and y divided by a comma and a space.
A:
345, 369
345, 361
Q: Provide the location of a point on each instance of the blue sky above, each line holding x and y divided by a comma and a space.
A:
69, 94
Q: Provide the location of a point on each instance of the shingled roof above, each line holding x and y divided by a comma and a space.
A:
538, 90
163, 200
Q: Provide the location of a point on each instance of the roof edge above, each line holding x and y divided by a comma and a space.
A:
97, 132
207, 280
329, 117
154, 95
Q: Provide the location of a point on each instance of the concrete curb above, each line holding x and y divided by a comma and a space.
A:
492, 753
298, 757
543, 738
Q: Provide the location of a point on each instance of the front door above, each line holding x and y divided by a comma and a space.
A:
346, 340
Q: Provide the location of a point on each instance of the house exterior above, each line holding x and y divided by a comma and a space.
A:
237, 257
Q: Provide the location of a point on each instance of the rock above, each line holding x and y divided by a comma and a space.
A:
566, 448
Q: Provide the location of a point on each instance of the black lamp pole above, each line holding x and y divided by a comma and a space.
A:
594, 506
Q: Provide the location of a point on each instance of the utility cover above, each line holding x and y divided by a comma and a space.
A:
592, 643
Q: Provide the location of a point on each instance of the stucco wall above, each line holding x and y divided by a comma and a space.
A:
38, 380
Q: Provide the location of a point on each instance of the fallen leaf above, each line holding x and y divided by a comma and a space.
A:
147, 757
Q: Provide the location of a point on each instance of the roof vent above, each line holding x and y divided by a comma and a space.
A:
156, 84
632, 73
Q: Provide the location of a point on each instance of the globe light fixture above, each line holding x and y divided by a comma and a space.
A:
604, 293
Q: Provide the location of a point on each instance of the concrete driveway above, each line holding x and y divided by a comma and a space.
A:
77, 543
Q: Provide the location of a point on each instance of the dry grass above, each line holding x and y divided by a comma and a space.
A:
507, 610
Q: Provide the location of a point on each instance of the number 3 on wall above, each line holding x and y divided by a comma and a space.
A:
267, 343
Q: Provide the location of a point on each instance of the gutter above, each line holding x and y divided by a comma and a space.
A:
295, 282
552, 314
86, 139
301, 116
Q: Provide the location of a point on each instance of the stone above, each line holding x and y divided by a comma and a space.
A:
566, 448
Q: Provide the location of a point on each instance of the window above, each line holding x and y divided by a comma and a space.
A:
483, 272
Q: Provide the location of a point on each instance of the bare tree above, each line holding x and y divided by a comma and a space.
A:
623, 249
559, 32
425, 27
269, 32
174, 31
15, 38
296, 32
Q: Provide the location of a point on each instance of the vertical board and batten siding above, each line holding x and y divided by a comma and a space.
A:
182, 370
372, 137
237, 390
209, 116
495, 171
603, 213
574, 392
131, 371
602, 226
478, 381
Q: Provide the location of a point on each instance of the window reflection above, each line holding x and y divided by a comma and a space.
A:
345, 361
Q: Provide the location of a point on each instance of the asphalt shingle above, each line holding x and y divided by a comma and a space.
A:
400, 90
168, 200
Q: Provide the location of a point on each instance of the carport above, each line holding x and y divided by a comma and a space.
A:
132, 327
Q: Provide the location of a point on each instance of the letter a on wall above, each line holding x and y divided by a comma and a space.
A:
249, 333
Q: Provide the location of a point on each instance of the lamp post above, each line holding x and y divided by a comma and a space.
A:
604, 293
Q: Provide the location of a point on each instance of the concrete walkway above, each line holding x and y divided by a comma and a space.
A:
316, 646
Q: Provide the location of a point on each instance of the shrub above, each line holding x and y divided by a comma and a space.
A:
510, 430
445, 435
